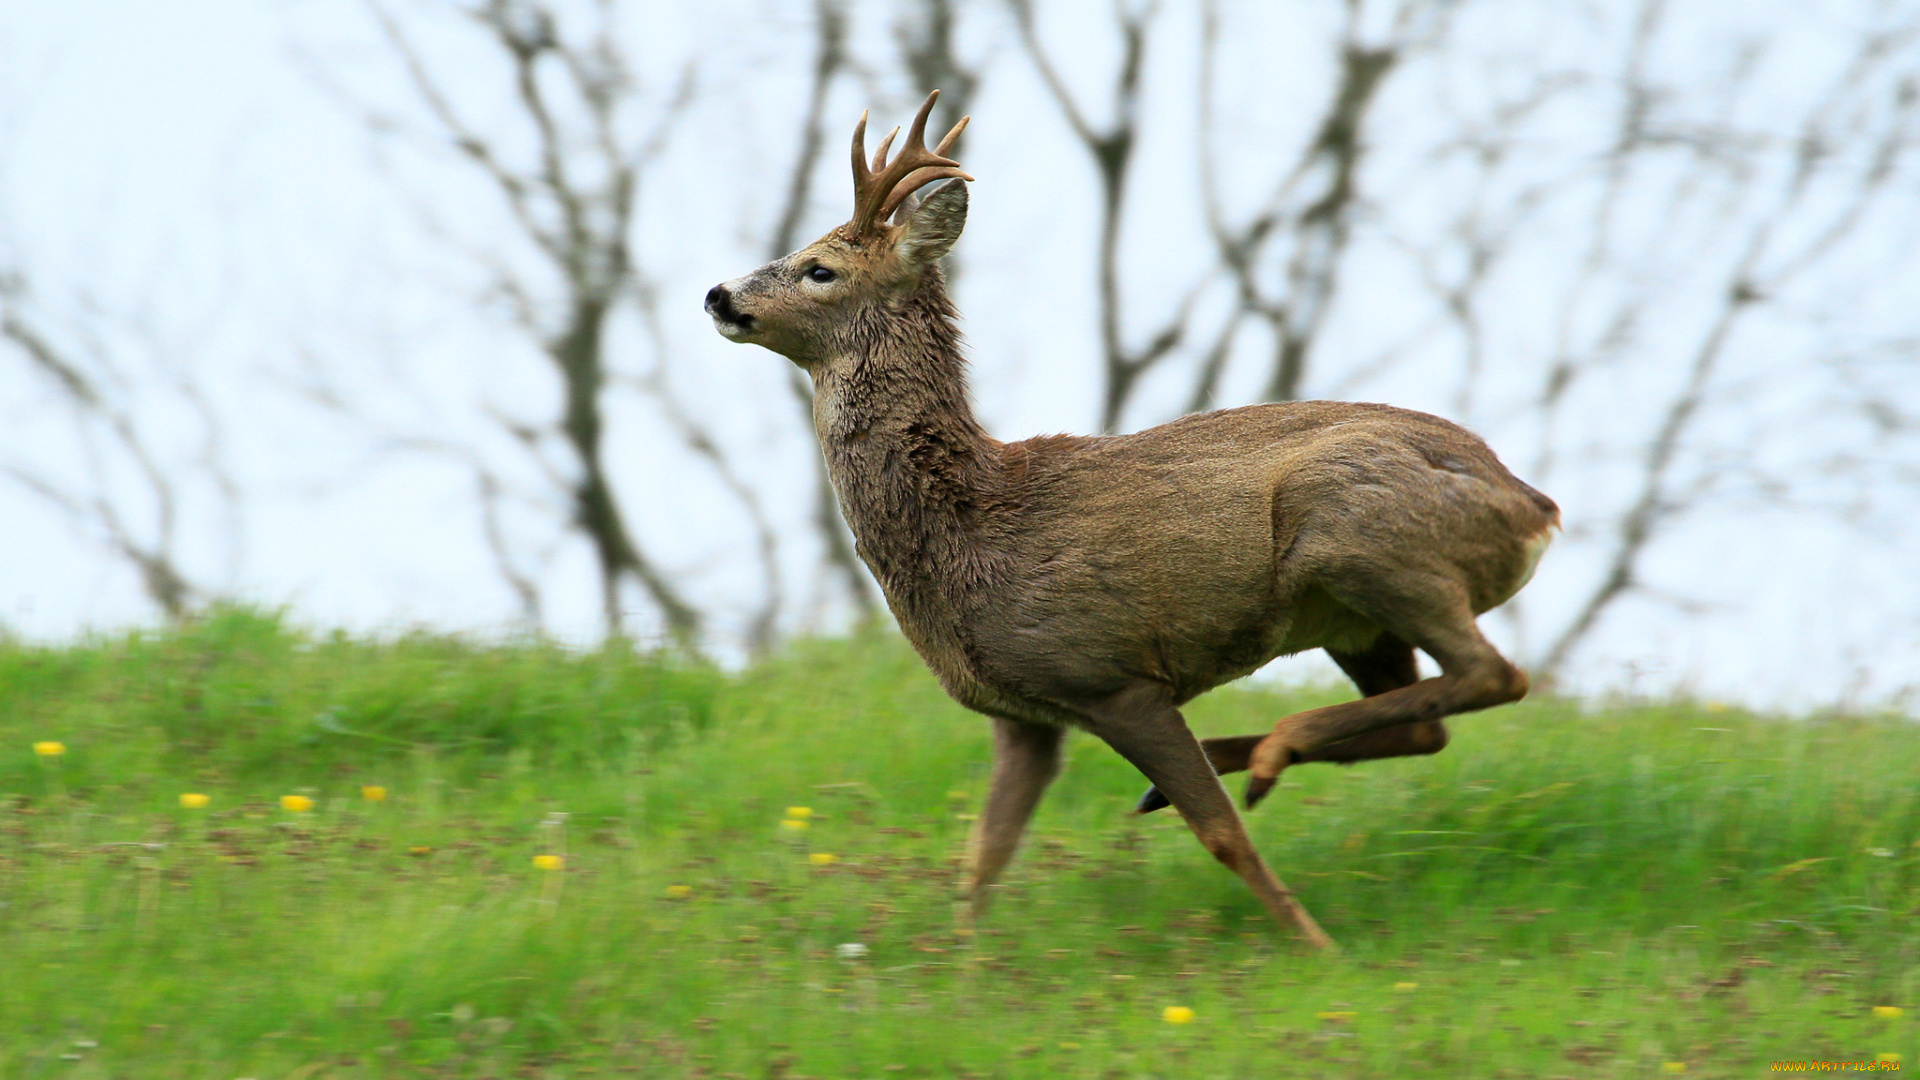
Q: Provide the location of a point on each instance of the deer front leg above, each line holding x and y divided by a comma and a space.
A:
1226, 753
1026, 758
1144, 727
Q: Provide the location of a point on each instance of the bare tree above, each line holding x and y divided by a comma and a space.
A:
1766, 208
763, 626
1769, 208
829, 60
574, 201
1797, 198
1284, 261
1111, 147
130, 492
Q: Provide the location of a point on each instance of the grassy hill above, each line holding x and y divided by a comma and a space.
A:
1566, 891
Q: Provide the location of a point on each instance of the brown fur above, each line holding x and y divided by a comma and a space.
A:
1100, 582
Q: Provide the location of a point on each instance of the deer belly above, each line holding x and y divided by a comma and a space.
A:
1317, 621
1096, 634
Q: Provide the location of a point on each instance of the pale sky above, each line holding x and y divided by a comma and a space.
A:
189, 185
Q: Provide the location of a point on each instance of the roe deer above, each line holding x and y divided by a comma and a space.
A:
1102, 582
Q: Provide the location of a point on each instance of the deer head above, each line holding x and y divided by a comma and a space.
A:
809, 306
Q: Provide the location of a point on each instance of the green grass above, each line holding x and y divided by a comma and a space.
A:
1570, 892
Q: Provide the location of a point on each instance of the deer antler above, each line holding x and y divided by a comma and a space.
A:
880, 188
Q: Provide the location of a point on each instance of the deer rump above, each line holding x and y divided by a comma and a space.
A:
1192, 553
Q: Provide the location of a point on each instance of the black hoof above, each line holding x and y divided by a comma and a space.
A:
1257, 789
1152, 801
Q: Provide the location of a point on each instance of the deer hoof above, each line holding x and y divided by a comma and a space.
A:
1152, 801
1257, 789
1270, 758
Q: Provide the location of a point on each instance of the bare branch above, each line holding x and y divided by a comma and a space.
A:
525, 589
94, 406
1112, 150
1748, 286
512, 186
1314, 227
575, 203
763, 627
830, 59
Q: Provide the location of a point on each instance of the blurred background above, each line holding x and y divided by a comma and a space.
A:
389, 312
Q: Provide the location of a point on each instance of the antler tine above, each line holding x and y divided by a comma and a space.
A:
917, 134
916, 180
861, 176
951, 137
880, 152
881, 187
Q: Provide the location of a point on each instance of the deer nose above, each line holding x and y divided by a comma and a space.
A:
720, 306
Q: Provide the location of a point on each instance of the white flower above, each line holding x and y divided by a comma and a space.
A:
852, 950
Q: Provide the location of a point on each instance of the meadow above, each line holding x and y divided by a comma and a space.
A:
241, 850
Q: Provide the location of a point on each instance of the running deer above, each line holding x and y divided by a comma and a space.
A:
1102, 582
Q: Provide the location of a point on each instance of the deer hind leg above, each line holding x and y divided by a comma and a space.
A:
1385, 665
1144, 727
1026, 758
1473, 675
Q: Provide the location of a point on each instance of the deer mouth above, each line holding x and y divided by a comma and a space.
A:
729, 320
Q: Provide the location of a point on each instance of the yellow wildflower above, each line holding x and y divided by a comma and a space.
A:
1673, 1066
419, 849
49, 748
1405, 987
821, 858
796, 824
1177, 1014
800, 813
679, 892
1887, 1012
549, 862
193, 800
958, 795
373, 793
299, 804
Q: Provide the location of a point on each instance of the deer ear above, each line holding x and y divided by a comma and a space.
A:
935, 224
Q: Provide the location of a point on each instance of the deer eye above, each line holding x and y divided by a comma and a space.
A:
820, 274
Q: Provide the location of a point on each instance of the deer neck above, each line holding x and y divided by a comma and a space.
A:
915, 472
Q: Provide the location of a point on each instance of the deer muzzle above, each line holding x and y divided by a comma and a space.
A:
728, 319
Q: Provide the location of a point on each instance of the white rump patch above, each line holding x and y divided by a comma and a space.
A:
1536, 547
